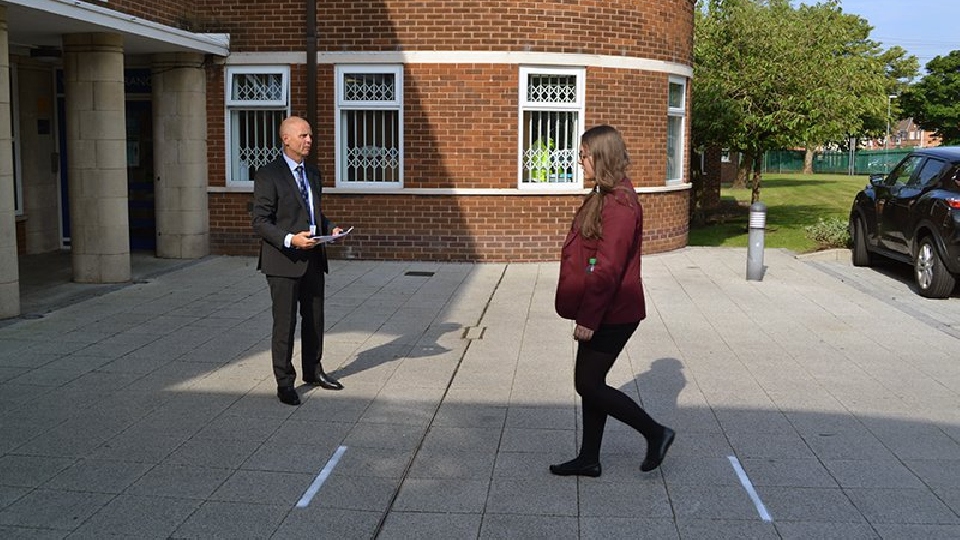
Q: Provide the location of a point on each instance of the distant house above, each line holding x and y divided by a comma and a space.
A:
729, 165
718, 165
905, 134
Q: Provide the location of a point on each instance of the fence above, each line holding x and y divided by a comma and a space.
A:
865, 162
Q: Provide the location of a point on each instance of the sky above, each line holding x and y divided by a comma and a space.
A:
925, 28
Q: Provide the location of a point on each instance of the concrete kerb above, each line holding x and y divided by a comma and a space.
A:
837, 254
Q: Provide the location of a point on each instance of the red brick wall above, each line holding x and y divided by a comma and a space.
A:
460, 126
461, 120
730, 170
452, 228
481, 228
216, 132
230, 223
183, 14
455, 137
665, 223
713, 176
655, 29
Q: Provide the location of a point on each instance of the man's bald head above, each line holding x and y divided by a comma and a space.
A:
297, 137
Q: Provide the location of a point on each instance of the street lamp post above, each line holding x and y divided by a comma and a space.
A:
886, 142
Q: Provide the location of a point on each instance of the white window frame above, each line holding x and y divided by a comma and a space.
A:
525, 105
341, 104
15, 140
681, 113
282, 103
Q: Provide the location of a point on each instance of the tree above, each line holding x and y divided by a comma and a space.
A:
899, 69
934, 102
770, 76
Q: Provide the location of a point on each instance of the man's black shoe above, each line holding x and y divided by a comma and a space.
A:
288, 395
324, 381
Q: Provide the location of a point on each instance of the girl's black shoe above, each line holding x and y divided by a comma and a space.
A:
657, 450
576, 467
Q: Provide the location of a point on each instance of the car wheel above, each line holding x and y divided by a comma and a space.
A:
861, 257
933, 278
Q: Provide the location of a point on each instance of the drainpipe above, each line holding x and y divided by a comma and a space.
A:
312, 70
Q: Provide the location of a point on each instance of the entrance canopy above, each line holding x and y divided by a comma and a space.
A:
35, 28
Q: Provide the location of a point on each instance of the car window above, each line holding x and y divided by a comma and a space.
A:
929, 173
902, 173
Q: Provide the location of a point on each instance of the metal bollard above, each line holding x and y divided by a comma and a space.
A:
758, 215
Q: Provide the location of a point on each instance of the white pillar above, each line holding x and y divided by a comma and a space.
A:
97, 157
180, 155
9, 262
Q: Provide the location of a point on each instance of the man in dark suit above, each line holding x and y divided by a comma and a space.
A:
286, 215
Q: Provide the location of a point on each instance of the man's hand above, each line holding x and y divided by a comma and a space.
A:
302, 240
336, 231
582, 333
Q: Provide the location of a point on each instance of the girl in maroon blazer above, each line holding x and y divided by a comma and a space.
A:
600, 288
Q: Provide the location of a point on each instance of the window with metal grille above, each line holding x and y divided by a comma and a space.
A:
551, 104
257, 102
369, 126
676, 116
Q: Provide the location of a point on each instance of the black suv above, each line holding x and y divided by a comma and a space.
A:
913, 215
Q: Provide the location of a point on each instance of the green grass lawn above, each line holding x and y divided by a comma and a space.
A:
793, 201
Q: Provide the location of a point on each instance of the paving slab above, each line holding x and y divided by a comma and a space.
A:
819, 402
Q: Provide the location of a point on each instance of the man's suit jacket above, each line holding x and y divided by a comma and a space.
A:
279, 210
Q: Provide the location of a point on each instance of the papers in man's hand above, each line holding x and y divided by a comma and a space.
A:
330, 237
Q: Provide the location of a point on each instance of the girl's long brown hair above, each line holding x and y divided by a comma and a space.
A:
610, 162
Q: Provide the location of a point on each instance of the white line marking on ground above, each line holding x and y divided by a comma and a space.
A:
761, 509
321, 478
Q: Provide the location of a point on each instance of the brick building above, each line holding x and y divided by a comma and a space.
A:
905, 133
443, 130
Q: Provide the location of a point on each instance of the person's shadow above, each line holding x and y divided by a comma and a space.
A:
659, 390
661, 385
401, 347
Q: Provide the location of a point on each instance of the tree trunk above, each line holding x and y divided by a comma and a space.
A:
808, 160
757, 178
